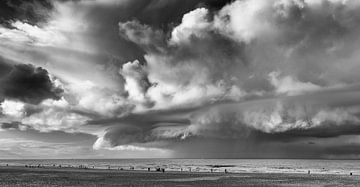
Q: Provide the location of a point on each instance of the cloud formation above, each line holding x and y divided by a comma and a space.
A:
185, 75
251, 49
28, 84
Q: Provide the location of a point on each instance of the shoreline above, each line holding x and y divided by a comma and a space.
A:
49, 176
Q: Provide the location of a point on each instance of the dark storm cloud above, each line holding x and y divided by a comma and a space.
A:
124, 135
328, 129
5, 68
31, 11
29, 84
142, 128
325, 131
12, 125
149, 119
331, 148
344, 150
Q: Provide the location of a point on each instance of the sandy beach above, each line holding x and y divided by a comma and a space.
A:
21, 176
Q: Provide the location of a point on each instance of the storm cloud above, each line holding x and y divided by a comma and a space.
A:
28, 84
275, 78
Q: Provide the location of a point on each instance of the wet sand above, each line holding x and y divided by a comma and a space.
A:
21, 176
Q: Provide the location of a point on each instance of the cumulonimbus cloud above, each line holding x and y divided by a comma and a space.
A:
260, 49
249, 70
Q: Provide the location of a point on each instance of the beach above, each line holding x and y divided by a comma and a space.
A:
53, 176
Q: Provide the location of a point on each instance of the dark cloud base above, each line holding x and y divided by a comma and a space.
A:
27, 83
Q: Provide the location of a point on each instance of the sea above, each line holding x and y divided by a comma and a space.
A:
204, 165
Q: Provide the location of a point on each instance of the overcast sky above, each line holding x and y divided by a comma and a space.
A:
180, 79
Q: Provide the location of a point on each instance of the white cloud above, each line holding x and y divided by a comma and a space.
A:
136, 82
338, 116
13, 108
194, 24
52, 119
101, 143
244, 20
63, 30
33, 35
291, 86
89, 97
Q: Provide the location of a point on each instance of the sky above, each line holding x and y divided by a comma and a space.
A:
179, 79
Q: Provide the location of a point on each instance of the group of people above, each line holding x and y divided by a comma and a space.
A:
109, 167
131, 168
54, 165
159, 169
33, 166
